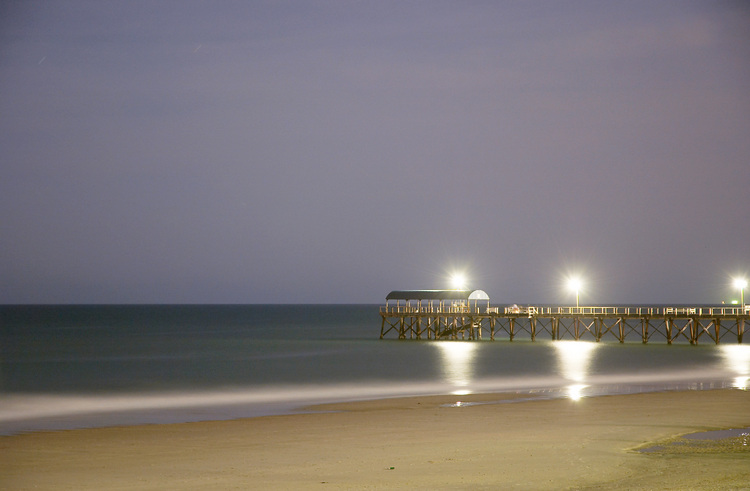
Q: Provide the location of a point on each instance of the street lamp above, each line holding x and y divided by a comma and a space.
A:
575, 284
741, 283
458, 281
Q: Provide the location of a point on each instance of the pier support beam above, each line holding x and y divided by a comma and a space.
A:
740, 329
669, 324
694, 330
598, 325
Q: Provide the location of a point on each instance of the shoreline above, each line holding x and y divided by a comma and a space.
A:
29, 413
473, 441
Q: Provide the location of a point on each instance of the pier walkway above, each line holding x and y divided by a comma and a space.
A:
464, 318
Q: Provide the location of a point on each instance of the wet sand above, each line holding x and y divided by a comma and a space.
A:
410, 443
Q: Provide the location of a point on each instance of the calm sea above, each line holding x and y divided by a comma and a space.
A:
84, 366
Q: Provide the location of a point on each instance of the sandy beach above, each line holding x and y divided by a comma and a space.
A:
503, 442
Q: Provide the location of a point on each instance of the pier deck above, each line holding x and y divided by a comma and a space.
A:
474, 322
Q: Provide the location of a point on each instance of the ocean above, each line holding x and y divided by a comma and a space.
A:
64, 367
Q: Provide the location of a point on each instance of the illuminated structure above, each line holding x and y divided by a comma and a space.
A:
435, 314
467, 314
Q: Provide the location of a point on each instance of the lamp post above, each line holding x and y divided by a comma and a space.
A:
575, 284
741, 283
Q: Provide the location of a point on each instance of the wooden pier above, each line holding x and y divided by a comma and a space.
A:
465, 314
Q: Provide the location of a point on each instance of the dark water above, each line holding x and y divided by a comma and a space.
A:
77, 366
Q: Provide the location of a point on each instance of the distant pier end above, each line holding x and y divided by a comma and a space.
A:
467, 314
436, 314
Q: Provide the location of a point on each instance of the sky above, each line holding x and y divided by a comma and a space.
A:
332, 151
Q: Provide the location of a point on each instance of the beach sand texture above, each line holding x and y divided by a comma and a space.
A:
409, 443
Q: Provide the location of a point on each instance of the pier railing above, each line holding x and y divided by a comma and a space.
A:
630, 311
580, 311
408, 309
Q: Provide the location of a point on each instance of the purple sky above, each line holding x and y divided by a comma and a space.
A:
332, 151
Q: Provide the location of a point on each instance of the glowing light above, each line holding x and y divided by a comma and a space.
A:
574, 358
575, 284
458, 364
458, 281
741, 284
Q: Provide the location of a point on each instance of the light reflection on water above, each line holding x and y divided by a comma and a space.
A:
736, 358
574, 362
575, 391
458, 364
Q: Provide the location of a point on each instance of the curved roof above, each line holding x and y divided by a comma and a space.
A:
437, 295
